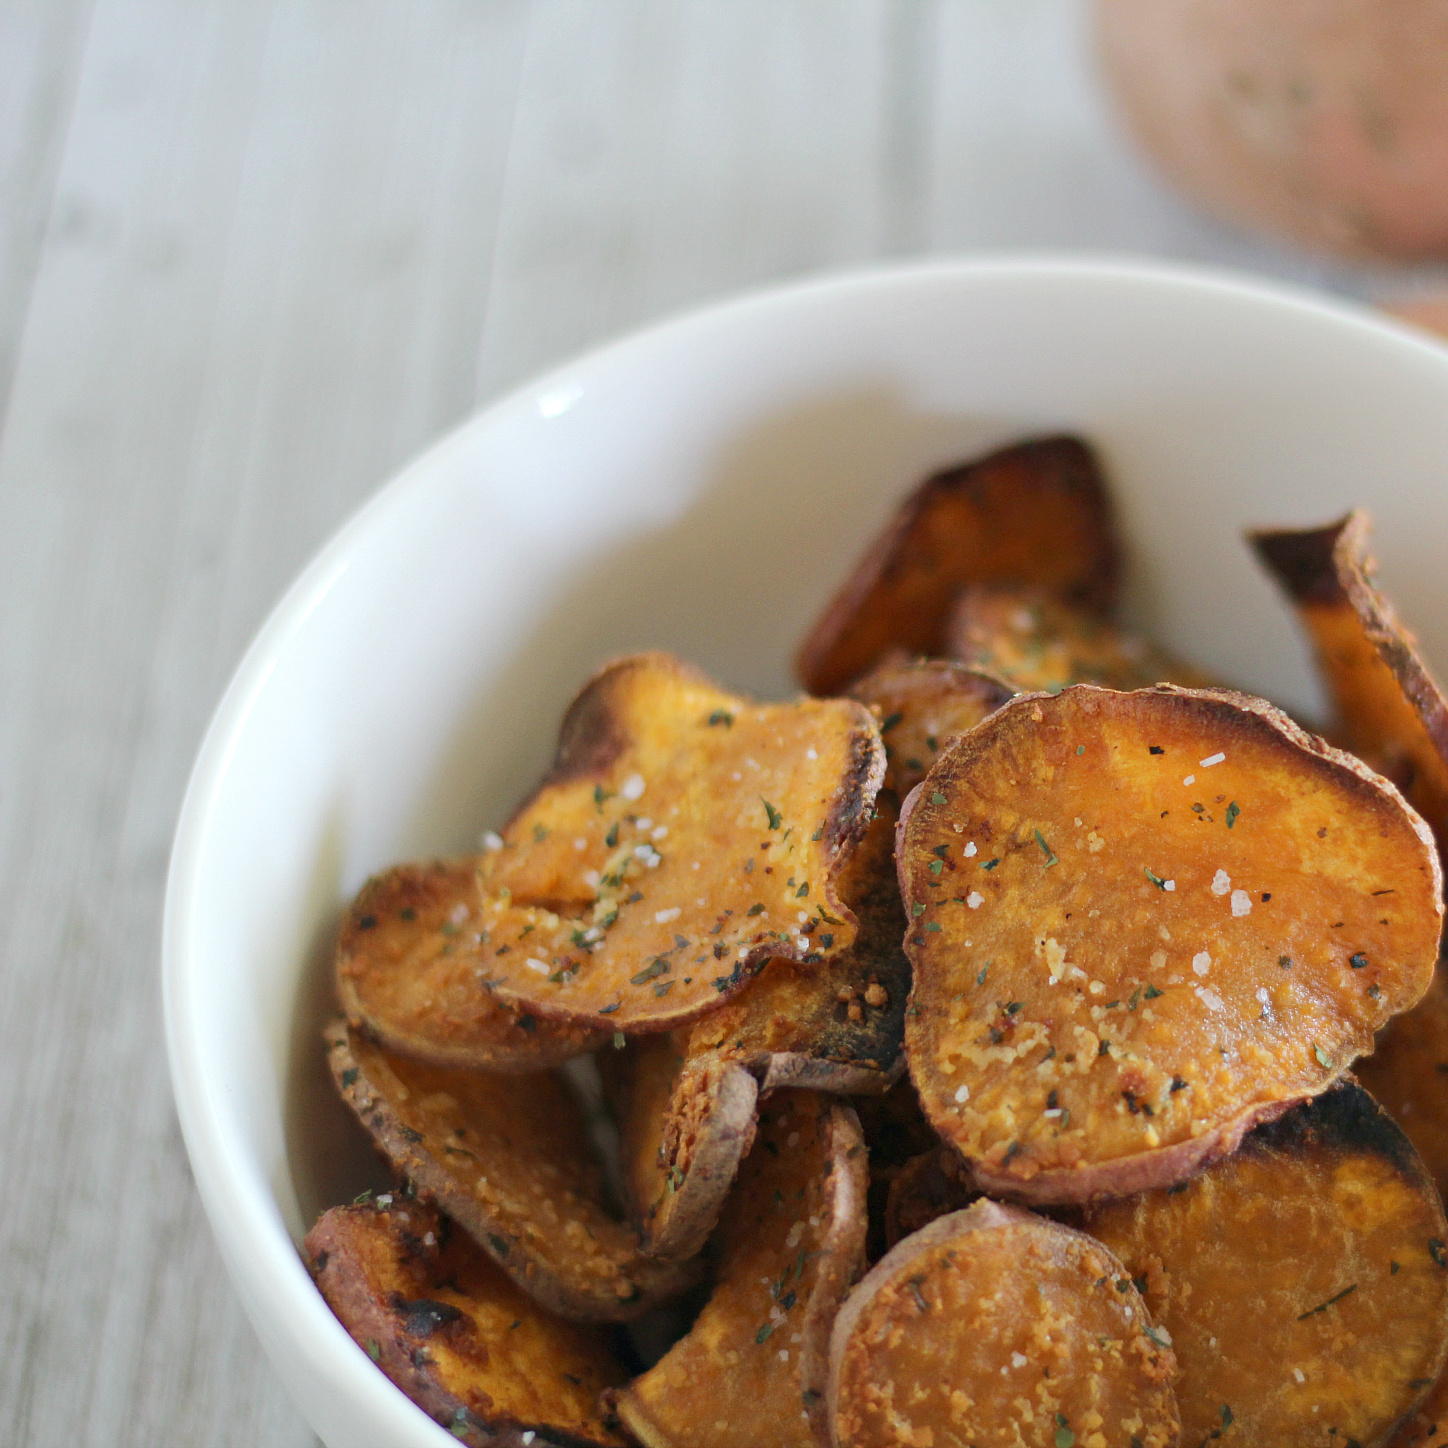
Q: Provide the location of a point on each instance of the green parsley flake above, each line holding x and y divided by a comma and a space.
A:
775, 818
721, 716
1050, 854
1323, 1059
1233, 810
937, 798
1156, 880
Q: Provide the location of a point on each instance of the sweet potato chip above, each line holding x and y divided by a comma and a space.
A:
1389, 707
1408, 1075
1303, 1281
999, 1329
409, 965
508, 1158
1037, 513
926, 1187
1142, 923
1034, 641
1428, 1424
478, 1356
922, 705
752, 1368
685, 1127
836, 1026
684, 837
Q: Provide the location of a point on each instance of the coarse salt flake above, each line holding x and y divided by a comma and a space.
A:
1262, 994
1210, 760
644, 823
1299, 1375
962, 1094
1241, 903
1168, 884
659, 831
1209, 998
633, 787
1221, 883
458, 913
975, 900
1190, 779
662, 917
492, 840
970, 850
784, 1354
1018, 1359
1201, 962
811, 753
591, 879
1158, 960
538, 965
580, 843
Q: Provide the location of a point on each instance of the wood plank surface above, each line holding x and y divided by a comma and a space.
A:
254, 254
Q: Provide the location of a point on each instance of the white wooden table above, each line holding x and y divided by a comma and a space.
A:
253, 255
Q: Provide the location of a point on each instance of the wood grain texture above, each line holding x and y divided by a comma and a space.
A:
253, 256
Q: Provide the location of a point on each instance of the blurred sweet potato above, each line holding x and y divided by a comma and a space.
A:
1390, 709
922, 705
1036, 513
1035, 641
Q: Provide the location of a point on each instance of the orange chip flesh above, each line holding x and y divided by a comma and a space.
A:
836, 1026
999, 1329
1036, 642
922, 705
1182, 914
1391, 710
1428, 1424
682, 833
409, 964
1408, 1075
507, 1157
1037, 513
752, 1368
455, 1334
926, 1187
1303, 1281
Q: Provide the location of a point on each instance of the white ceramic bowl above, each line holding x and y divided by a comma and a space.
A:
701, 487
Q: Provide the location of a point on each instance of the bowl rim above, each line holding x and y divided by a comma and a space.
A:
239, 1205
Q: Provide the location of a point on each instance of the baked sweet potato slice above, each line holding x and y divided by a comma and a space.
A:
922, 705
410, 962
926, 1187
684, 1128
478, 1356
1034, 513
508, 1158
1303, 1281
838, 1026
752, 1368
1035, 641
1408, 1076
1183, 914
684, 837
999, 1329
1428, 1423
1390, 710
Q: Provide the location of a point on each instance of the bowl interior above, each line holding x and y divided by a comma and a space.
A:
702, 488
